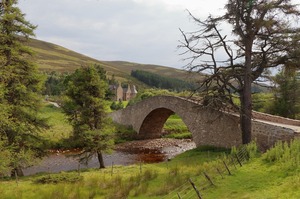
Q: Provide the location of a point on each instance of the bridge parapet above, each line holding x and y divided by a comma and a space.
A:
275, 118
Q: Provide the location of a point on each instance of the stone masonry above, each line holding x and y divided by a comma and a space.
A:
208, 126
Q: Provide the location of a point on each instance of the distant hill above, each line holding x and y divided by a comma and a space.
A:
52, 57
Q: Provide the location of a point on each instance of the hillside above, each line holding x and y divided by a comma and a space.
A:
51, 57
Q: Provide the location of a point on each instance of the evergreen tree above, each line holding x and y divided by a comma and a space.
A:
20, 85
286, 94
86, 107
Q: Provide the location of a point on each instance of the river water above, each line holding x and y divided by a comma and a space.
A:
145, 151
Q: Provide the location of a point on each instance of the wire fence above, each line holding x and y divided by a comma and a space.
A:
193, 187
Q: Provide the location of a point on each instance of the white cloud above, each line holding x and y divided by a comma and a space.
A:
144, 31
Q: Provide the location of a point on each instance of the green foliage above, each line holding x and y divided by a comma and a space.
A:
252, 149
162, 82
86, 109
20, 85
54, 84
59, 178
286, 94
124, 133
262, 102
287, 154
116, 106
5, 157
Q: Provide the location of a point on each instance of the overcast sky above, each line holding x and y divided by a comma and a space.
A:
142, 31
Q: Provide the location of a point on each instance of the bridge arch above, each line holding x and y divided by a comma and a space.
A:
208, 127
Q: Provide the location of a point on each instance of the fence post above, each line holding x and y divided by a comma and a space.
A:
208, 178
78, 168
17, 178
232, 160
220, 173
226, 167
48, 168
178, 196
237, 157
195, 188
112, 168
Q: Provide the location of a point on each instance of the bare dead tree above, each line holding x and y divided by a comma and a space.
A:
264, 35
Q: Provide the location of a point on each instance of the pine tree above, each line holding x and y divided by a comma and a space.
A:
20, 85
86, 107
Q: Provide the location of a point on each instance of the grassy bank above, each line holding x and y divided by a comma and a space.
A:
59, 129
271, 175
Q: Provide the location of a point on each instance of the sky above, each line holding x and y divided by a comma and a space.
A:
141, 31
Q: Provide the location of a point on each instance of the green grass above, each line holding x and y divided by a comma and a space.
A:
176, 128
258, 178
146, 181
59, 129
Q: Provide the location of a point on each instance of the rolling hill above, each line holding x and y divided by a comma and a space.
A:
51, 57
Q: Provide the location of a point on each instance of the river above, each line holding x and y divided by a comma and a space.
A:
143, 151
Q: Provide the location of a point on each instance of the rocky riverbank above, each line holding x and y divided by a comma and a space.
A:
168, 146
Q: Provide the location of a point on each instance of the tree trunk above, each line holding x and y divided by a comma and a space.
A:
245, 116
100, 159
246, 97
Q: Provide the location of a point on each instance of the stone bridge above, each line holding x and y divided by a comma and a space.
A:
208, 126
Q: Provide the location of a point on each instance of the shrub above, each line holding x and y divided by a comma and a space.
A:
124, 133
116, 106
58, 178
288, 154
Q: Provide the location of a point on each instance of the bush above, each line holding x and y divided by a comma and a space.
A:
124, 134
116, 106
58, 178
287, 154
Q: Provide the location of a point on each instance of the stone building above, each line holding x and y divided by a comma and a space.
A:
123, 94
